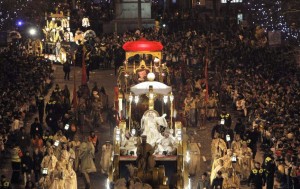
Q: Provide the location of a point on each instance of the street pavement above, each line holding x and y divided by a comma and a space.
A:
107, 79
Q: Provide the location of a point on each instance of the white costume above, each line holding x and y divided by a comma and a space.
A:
148, 123
130, 144
49, 162
106, 157
166, 144
64, 157
161, 121
194, 164
85, 22
70, 178
57, 178
86, 155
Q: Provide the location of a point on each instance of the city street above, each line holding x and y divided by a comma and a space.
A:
107, 79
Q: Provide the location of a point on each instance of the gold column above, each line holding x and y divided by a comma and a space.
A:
151, 98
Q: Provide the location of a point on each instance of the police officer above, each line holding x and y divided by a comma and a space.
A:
269, 168
50, 105
225, 118
4, 183
257, 177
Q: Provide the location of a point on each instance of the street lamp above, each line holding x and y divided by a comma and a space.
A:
136, 99
130, 97
32, 31
165, 99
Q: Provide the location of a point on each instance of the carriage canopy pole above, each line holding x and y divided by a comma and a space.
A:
172, 109
129, 111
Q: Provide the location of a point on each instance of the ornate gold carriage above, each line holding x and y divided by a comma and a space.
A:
151, 90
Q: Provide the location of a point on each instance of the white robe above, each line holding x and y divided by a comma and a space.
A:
70, 179
86, 155
130, 145
150, 130
105, 162
49, 162
194, 164
166, 144
57, 178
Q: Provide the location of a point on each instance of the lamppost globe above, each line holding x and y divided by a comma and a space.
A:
32, 31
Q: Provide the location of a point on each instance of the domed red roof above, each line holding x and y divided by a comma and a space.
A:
143, 45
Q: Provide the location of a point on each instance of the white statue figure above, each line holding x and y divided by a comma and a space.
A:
129, 144
166, 144
149, 125
161, 121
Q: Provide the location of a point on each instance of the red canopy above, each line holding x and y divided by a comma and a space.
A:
143, 45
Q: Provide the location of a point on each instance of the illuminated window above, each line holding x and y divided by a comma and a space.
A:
232, 1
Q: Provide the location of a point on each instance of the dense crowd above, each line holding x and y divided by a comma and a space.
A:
261, 82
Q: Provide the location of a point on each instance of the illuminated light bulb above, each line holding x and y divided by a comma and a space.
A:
136, 99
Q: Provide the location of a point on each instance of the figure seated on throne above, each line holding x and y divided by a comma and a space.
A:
150, 124
129, 144
166, 145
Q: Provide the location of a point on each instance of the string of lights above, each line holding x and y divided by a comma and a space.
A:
267, 14
270, 16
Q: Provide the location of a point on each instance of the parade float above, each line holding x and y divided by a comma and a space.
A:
145, 105
59, 40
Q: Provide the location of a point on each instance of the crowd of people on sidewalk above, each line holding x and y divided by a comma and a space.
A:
262, 85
